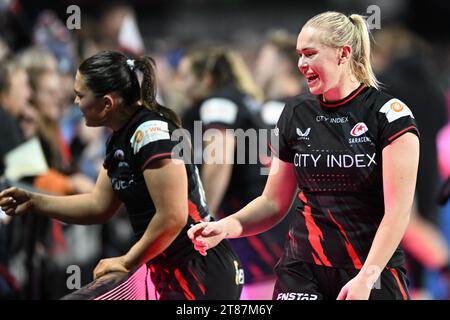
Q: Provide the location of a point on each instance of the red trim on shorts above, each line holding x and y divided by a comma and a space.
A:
314, 233
184, 285
399, 283
200, 285
156, 156
350, 249
193, 211
400, 132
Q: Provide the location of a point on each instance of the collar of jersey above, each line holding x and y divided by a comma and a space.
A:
343, 101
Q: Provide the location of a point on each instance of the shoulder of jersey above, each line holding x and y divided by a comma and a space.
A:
394, 108
218, 109
152, 127
300, 101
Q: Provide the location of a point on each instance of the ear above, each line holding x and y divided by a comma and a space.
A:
345, 54
109, 102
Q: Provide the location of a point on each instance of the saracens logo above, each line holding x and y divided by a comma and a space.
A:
359, 129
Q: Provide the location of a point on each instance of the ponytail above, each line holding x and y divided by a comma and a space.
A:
360, 64
148, 89
111, 71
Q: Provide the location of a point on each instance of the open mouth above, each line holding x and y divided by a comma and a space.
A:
311, 78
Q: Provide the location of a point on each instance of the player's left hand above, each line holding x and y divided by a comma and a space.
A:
104, 266
358, 288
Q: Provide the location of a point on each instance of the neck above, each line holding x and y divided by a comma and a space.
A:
342, 90
122, 117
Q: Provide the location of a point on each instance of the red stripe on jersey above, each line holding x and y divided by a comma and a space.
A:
314, 233
350, 250
200, 285
261, 250
184, 285
154, 157
325, 104
401, 132
399, 283
193, 211
316, 260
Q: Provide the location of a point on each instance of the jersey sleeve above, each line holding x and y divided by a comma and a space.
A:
395, 119
281, 136
151, 141
219, 112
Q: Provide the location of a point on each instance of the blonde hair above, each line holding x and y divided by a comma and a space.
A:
341, 30
225, 66
244, 77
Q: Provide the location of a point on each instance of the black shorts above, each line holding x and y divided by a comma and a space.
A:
216, 276
299, 280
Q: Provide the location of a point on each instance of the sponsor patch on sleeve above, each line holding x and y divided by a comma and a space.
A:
218, 110
147, 132
395, 109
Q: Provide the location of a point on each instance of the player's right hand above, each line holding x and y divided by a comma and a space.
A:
15, 201
206, 235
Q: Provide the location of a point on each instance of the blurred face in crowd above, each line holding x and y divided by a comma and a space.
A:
16, 98
92, 107
48, 95
318, 62
267, 64
193, 88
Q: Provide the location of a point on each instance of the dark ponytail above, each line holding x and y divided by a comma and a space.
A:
148, 88
110, 71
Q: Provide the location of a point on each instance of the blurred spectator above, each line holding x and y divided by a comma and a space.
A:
118, 30
223, 96
403, 62
14, 95
277, 74
14, 25
276, 69
4, 49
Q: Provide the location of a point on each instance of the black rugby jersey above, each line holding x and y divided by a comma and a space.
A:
145, 139
229, 108
336, 149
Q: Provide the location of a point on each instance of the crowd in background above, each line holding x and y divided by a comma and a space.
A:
37, 68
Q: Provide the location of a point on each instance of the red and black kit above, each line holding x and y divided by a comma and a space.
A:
336, 149
179, 272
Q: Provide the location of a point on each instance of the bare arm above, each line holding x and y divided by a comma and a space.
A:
218, 167
89, 208
258, 216
167, 183
268, 209
399, 181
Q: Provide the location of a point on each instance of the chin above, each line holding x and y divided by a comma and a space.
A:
88, 123
315, 91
